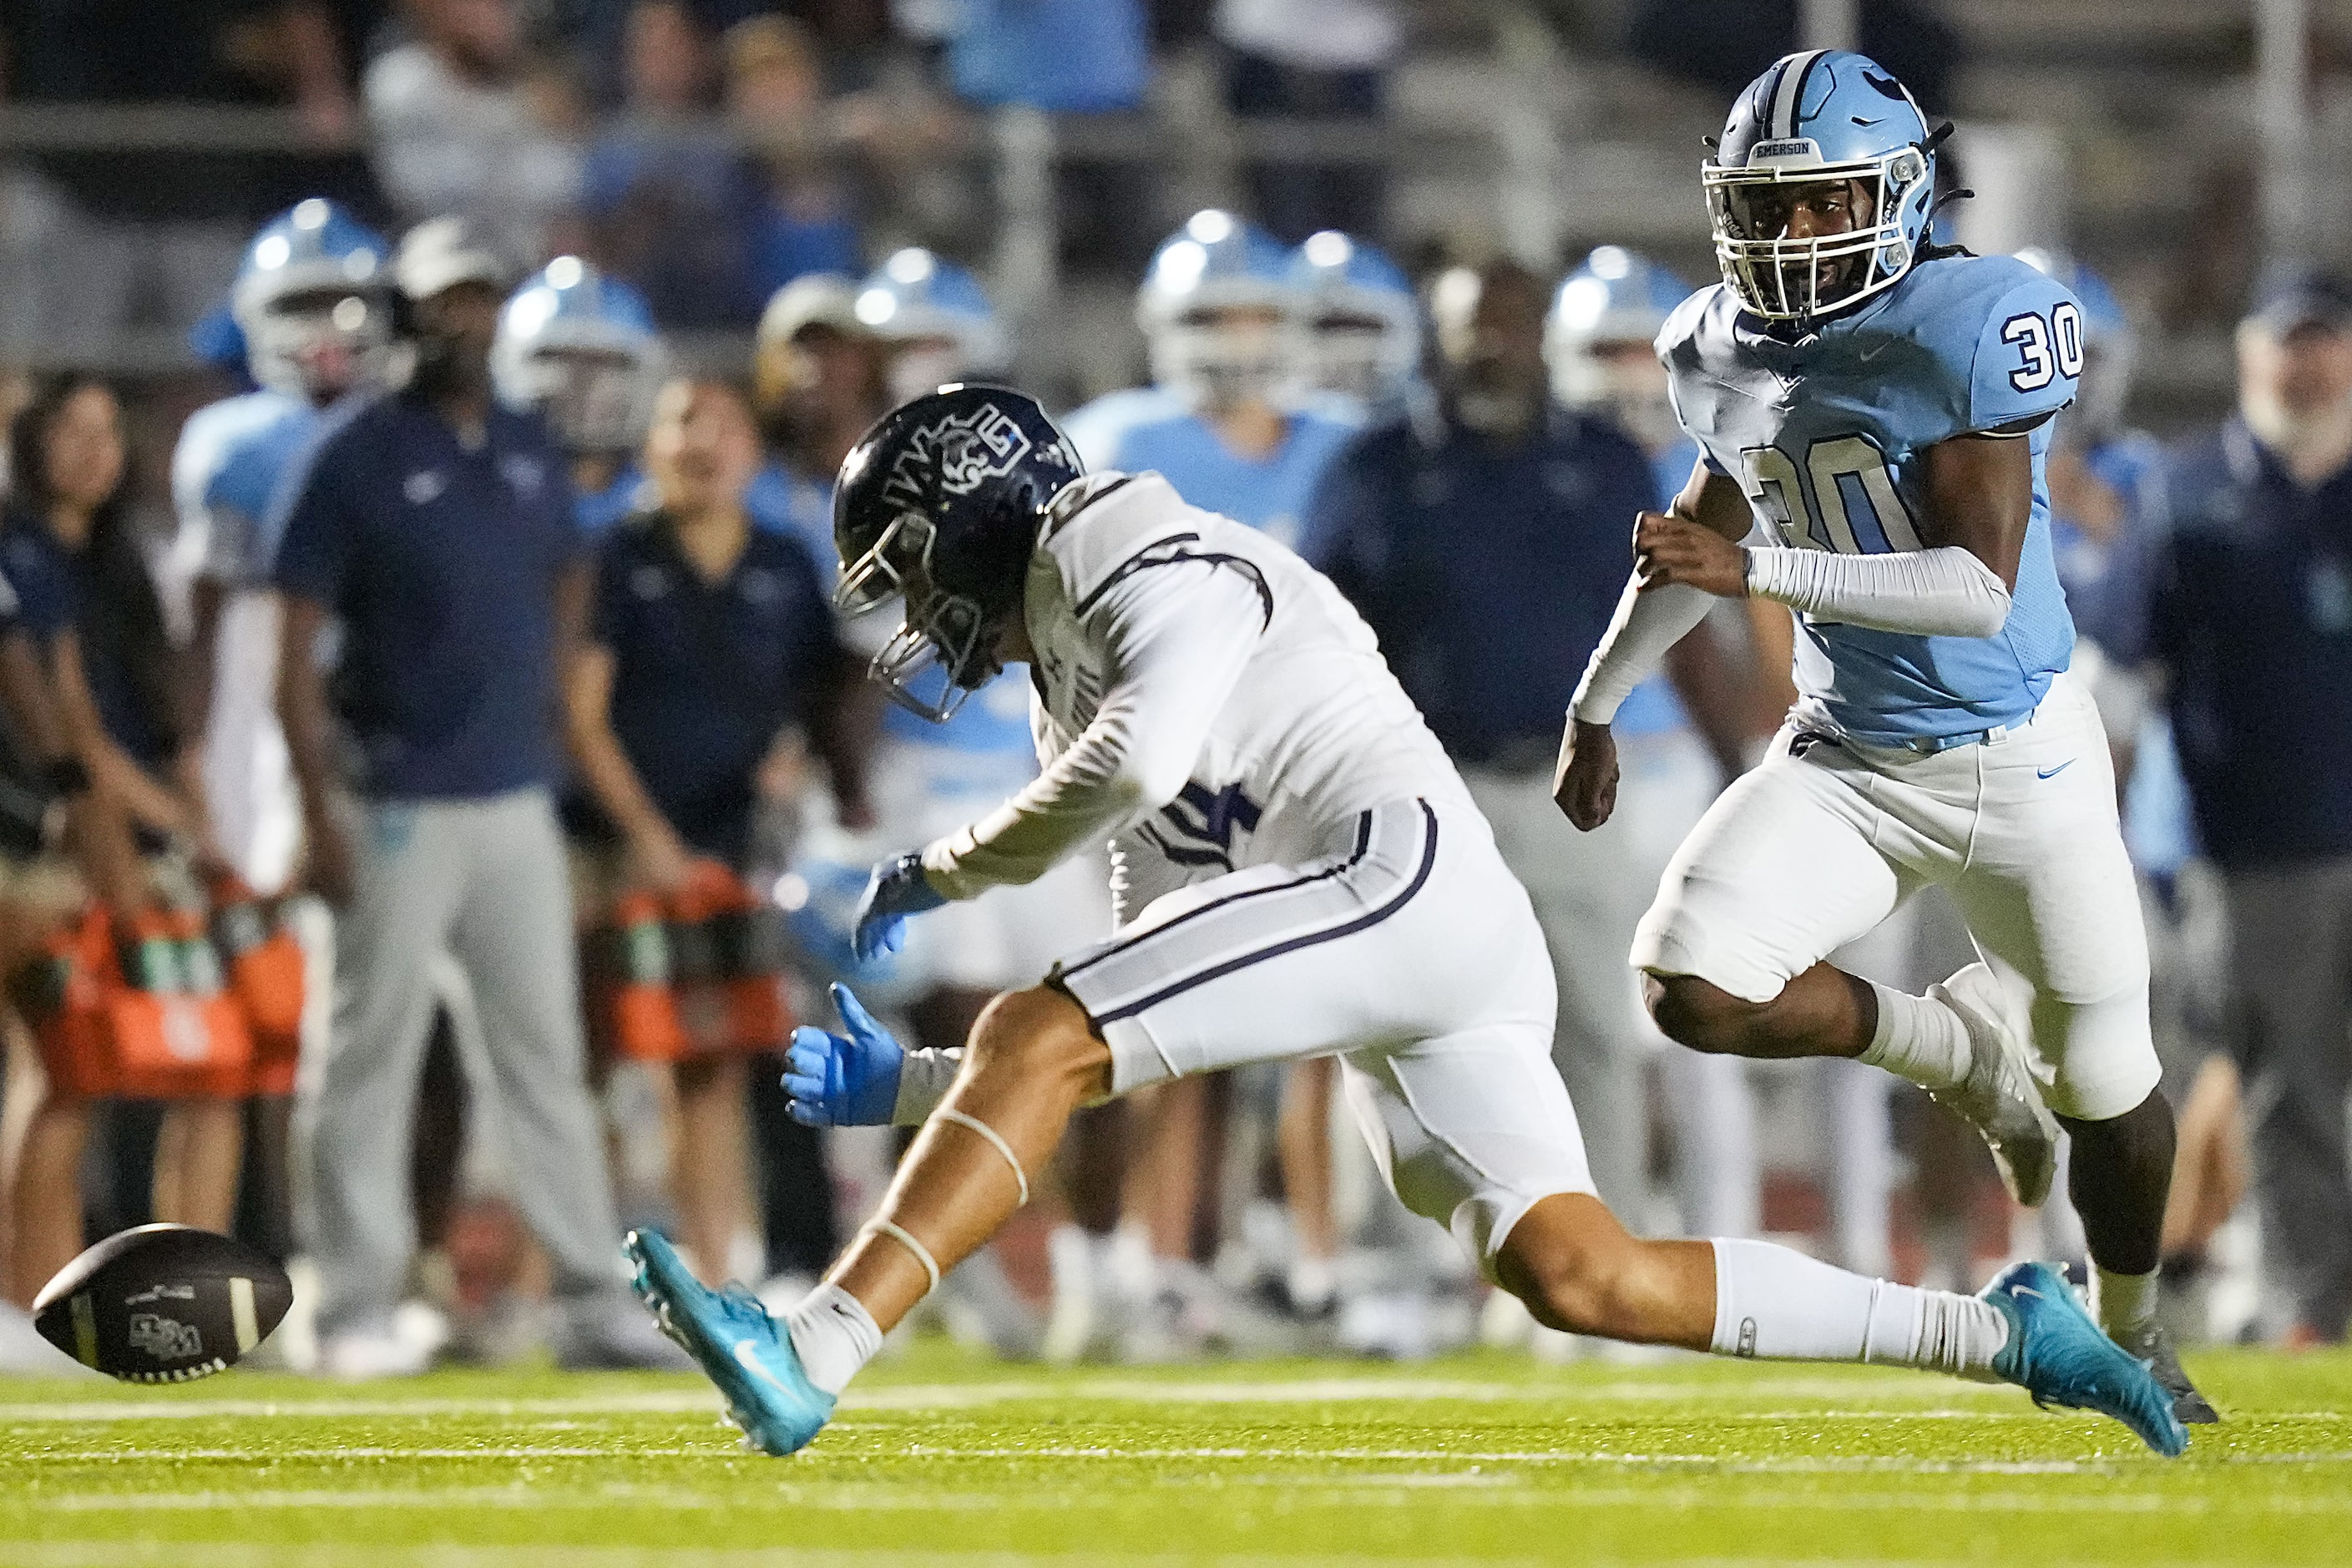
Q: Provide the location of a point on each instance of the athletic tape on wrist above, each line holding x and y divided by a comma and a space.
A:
948, 1113
906, 1239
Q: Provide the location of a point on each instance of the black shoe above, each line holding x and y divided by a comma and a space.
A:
2153, 1346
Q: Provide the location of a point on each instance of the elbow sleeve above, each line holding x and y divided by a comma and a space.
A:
1944, 591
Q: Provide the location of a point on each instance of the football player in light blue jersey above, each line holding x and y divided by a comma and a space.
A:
581, 349
1221, 316
1361, 328
936, 319
1600, 342
1881, 408
312, 304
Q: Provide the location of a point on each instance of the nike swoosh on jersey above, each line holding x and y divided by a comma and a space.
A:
2054, 773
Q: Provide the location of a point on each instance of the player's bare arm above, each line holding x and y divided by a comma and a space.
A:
1979, 498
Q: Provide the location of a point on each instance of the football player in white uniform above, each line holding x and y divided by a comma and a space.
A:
1299, 872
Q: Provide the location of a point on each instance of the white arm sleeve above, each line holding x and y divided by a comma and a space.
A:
1177, 634
1944, 591
924, 1078
1648, 623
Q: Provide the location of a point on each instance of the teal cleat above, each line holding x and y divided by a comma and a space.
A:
2056, 1353
736, 1343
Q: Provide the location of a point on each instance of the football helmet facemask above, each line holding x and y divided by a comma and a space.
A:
1821, 186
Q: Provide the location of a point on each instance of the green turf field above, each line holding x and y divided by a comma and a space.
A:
937, 1457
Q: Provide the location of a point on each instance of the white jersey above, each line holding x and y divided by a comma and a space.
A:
1203, 698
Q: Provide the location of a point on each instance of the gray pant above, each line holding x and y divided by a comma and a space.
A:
2291, 972
485, 879
1589, 890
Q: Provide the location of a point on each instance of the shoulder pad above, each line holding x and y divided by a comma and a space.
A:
2007, 338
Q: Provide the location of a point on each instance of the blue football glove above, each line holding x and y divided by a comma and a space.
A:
844, 1080
899, 890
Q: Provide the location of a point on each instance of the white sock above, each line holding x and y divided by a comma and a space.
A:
834, 1335
1918, 1038
2124, 1304
1775, 1304
1312, 1283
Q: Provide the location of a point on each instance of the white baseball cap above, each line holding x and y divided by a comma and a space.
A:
443, 252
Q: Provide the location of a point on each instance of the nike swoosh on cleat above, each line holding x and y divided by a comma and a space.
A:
2054, 773
2027, 1290
750, 1362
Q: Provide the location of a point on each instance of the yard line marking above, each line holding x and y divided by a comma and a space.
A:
1852, 1396
870, 1498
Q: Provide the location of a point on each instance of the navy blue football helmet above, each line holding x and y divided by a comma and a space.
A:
939, 505
1830, 135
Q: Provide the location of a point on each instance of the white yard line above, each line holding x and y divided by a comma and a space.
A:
1849, 1393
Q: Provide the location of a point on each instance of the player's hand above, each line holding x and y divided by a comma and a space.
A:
1668, 548
844, 1080
899, 890
1584, 785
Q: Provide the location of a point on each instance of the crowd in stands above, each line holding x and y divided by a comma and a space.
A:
480, 678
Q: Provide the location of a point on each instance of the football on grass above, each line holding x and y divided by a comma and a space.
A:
164, 1303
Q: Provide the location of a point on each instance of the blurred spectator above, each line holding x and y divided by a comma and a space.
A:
663, 186
1488, 628
1073, 56
152, 232
797, 212
709, 640
463, 126
820, 378
73, 558
2243, 600
1724, 45
1323, 60
435, 526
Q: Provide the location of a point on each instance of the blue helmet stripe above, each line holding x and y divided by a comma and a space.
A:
1789, 96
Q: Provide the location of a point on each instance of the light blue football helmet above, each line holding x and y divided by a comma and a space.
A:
1216, 265
1362, 325
1598, 340
313, 298
2109, 347
1824, 140
937, 319
582, 350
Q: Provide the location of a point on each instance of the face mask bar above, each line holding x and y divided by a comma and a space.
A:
874, 579
1780, 278
940, 654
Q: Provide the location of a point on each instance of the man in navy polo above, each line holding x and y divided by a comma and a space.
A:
2241, 599
1480, 541
435, 529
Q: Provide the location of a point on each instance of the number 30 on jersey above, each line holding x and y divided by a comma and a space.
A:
1842, 500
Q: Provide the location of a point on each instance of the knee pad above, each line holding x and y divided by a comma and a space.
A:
2101, 1054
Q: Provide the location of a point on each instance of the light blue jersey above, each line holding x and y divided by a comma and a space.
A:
1827, 437
231, 458
985, 747
1153, 431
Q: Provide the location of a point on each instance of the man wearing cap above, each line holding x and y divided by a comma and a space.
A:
436, 528
2241, 601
